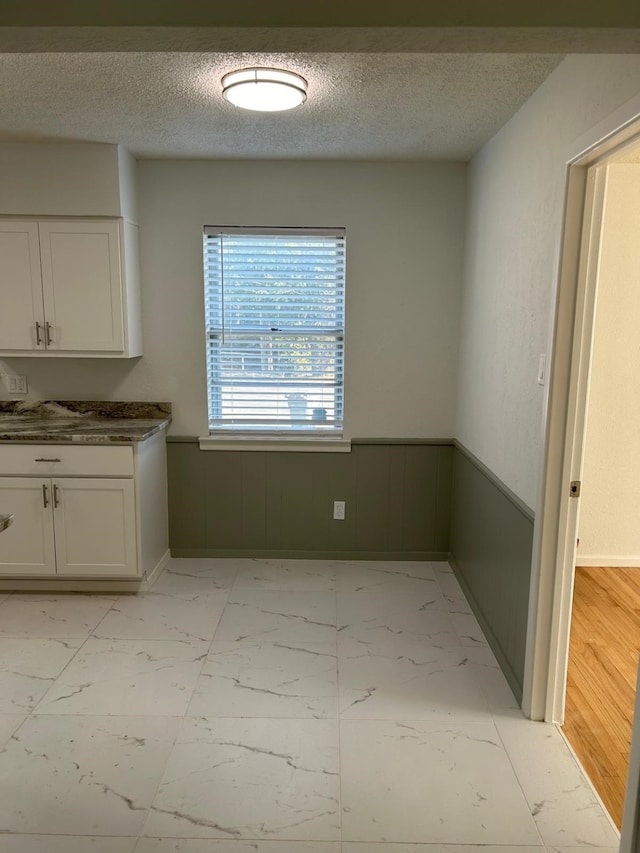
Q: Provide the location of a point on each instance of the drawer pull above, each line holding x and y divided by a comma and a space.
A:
44, 496
56, 499
43, 459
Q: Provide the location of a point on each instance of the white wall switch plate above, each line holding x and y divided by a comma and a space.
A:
339, 510
16, 384
542, 369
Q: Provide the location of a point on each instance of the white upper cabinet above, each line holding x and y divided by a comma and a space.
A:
69, 287
21, 308
82, 286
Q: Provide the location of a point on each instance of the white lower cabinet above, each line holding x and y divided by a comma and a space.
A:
27, 547
69, 526
94, 524
84, 527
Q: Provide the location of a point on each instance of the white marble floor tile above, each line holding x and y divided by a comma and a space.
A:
82, 775
9, 723
393, 578
277, 616
291, 575
413, 681
221, 574
211, 845
375, 618
445, 782
157, 615
66, 844
561, 800
590, 849
254, 770
187, 586
493, 684
135, 676
28, 668
455, 601
229, 778
375, 847
468, 630
64, 615
267, 680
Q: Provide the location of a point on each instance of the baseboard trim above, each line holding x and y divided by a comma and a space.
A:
115, 587
609, 562
418, 556
155, 573
505, 666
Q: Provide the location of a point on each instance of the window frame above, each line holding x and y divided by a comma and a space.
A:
327, 437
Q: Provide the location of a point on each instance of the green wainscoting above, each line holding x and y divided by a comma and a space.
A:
270, 504
491, 549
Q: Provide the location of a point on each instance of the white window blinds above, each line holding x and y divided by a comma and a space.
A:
274, 306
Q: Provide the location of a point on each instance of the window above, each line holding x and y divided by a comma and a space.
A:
274, 311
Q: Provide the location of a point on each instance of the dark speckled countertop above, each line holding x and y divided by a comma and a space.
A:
89, 422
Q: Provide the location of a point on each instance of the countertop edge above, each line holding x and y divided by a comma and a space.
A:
115, 437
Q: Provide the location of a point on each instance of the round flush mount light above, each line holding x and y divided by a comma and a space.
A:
268, 90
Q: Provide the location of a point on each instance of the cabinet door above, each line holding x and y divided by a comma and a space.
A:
27, 547
95, 526
82, 286
20, 286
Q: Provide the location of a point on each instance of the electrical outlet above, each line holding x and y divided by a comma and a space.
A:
15, 384
339, 510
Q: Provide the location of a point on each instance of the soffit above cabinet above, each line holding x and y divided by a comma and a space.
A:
67, 179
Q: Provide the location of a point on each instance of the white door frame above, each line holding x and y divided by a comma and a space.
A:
566, 398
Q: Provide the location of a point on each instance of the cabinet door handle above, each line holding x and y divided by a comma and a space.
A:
44, 459
56, 499
47, 333
38, 335
44, 496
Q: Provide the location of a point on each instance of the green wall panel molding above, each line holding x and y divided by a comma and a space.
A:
424, 441
491, 551
237, 503
193, 439
500, 486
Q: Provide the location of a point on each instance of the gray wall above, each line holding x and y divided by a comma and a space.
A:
514, 221
405, 233
491, 549
250, 503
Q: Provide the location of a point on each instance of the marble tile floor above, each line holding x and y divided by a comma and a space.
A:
274, 706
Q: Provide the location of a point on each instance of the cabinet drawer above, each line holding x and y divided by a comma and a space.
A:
64, 460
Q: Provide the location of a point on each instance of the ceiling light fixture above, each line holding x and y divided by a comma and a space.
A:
265, 89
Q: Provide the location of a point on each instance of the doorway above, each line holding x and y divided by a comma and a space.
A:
605, 623
594, 179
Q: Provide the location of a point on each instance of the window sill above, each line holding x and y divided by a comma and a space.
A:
276, 443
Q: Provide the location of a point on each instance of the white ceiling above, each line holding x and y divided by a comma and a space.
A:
360, 105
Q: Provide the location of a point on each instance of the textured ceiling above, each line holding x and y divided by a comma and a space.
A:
360, 105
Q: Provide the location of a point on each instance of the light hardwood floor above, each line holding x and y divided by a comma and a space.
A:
603, 662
